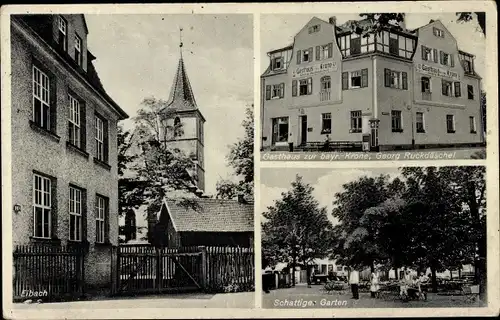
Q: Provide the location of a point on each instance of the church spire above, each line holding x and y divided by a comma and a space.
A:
181, 93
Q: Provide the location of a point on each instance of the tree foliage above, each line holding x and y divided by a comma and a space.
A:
240, 158
374, 23
296, 229
469, 16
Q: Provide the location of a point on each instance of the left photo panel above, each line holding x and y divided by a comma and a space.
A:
133, 175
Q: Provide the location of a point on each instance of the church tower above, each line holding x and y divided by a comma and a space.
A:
182, 105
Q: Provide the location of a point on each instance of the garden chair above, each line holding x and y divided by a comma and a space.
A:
471, 293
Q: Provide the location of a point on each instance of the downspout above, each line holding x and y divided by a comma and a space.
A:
374, 89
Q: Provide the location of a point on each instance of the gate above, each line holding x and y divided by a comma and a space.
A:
146, 269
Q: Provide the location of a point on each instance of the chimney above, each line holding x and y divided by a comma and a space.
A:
241, 198
332, 20
402, 25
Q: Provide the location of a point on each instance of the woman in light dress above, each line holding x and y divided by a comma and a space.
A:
374, 287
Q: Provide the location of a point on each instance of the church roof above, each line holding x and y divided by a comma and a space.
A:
181, 95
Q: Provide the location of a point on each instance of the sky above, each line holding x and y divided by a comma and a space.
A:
278, 31
326, 182
137, 57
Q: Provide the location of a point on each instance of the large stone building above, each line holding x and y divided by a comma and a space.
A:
397, 89
64, 149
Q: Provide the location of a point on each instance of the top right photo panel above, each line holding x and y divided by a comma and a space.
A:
377, 86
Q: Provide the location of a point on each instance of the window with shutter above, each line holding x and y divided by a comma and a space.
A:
299, 55
318, 53
441, 57
364, 78
294, 88
458, 93
345, 80
330, 50
309, 85
282, 91
435, 55
387, 78
310, 54
268, 92
424, 53
452, 61
404, 76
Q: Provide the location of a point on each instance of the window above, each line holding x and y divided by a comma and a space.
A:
393, 44
470, 92
326, 83
355, 45
419, 121
396, 79
74, 122
396, 121
278, 91
327, 51
355, 79
472, 124
42, 207
426, 53
438, 32
305, 86
425, 84
450, 123
326, 121
467, 61
446, 88
99, 138
457, 87
277, 63
446, 59
75, 214
101, 207
63, 34
356, 122
307, 55
280, 129
78, 50
41, 99
314, 28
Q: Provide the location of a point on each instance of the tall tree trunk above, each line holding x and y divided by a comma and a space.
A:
479, 264
433, 279
294, 263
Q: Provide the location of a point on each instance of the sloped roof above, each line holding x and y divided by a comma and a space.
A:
181, 94
211, 215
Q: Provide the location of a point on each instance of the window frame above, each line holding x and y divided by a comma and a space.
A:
357, 74
73, 213
78, 48
470, 92
453, 128
397, 118
326, 118
472, 124
422, 129
42, 205
307, 83
100, 217
74, 104
448, 84
356, 125
41, 91
62, 27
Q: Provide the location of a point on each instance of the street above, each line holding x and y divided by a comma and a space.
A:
303, 297
191, 300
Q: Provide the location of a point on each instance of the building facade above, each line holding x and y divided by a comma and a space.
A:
394, 90
64, 149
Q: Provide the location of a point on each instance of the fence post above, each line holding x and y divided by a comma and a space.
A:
204, 281
159, 269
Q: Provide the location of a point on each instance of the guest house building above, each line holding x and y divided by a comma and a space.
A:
393, 90
64, 143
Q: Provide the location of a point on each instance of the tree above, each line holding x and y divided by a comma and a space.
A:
240, 158
296, 229
469, 16
374, 23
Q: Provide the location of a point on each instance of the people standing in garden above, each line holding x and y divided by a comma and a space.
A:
374, 286
354, 282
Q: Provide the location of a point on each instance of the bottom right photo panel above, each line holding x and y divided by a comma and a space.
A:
373, 238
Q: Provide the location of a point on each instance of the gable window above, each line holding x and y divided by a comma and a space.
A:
305, 86
78, 50
447, 88
101, 139
314, 28
396, 79
419, 122
396, 121
101, 212
470, 92
42, 207
472, 124
326, 123
438, 32
450, 123
63, 33
41, 99
74, 127
356, 122
278, 91
75, 214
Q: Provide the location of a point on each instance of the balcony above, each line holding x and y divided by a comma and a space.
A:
426, 96
325, 95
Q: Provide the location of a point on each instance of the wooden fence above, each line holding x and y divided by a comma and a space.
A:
146, 269
47, 272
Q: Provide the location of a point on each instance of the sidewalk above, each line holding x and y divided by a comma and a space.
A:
192, 300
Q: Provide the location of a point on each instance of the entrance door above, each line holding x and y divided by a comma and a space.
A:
303, 130
374, 139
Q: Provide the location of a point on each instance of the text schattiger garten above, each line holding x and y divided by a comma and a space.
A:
304, 303
334, 156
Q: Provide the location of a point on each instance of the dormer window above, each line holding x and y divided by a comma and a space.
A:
63, 33
78, 50
277, 63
